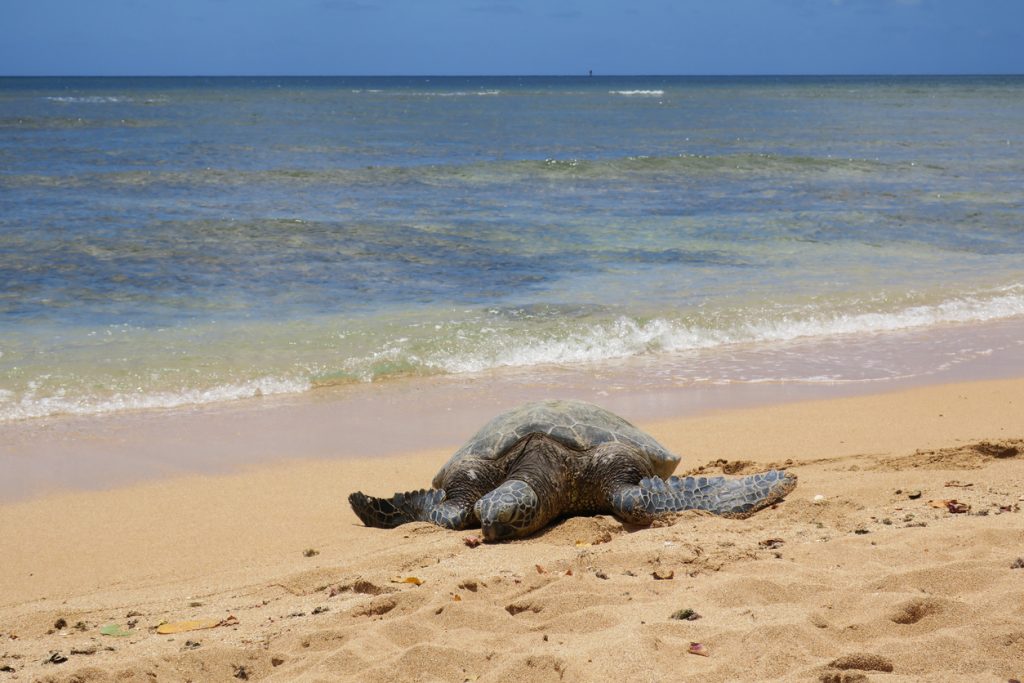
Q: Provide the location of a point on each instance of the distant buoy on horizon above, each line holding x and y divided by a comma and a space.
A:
590, 73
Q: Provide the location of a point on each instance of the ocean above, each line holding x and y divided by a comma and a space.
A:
169, 242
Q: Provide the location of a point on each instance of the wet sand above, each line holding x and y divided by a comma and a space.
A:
852, 577
413, 414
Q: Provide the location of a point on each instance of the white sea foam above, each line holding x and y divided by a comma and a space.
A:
621, 338
642, 93
462, 93
1008, 303
626, 337
32, 405
89, 99
457, 349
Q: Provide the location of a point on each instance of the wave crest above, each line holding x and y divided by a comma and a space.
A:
90, 99
33, 405
571, 343
641, 93
496, 340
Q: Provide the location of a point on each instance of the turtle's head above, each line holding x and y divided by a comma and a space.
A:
509, 511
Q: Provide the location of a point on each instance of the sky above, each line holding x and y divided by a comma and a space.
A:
516, 37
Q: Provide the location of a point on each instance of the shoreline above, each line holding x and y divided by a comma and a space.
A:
94, 452
633, 359
831, 583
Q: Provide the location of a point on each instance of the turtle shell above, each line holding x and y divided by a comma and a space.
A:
576, 424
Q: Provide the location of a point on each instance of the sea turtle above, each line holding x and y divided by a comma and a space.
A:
549, 459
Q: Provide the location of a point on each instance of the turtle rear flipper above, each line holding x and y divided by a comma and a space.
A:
723, 496
425, 505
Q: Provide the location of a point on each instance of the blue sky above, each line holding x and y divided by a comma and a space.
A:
244, 37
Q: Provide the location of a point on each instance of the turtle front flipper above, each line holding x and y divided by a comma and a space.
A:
641, 503
425, 505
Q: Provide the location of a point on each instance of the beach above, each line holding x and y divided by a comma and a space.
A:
227, 303
896, 558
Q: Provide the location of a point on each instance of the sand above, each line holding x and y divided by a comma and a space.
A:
853, 577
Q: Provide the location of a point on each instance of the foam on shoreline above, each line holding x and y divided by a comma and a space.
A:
410, 414
799, 346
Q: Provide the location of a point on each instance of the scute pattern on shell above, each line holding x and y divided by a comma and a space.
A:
576, 424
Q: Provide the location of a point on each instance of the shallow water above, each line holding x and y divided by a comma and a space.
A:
168, 242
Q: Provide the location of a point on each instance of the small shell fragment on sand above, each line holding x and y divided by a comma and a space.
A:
663, 574
951, 504
190, 625
698, 649
414, 580
194, 625
472, 541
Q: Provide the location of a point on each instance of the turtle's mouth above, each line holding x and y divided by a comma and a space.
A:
498, 531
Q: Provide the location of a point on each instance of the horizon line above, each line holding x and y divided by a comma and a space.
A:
525, 75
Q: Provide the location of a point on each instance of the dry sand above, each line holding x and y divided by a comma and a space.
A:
849, 579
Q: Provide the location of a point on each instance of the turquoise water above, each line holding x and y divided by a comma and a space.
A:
169, 242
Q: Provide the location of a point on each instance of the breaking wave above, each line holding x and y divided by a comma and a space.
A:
502, 339
647, 93
90, 99
33, 405
626, 337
